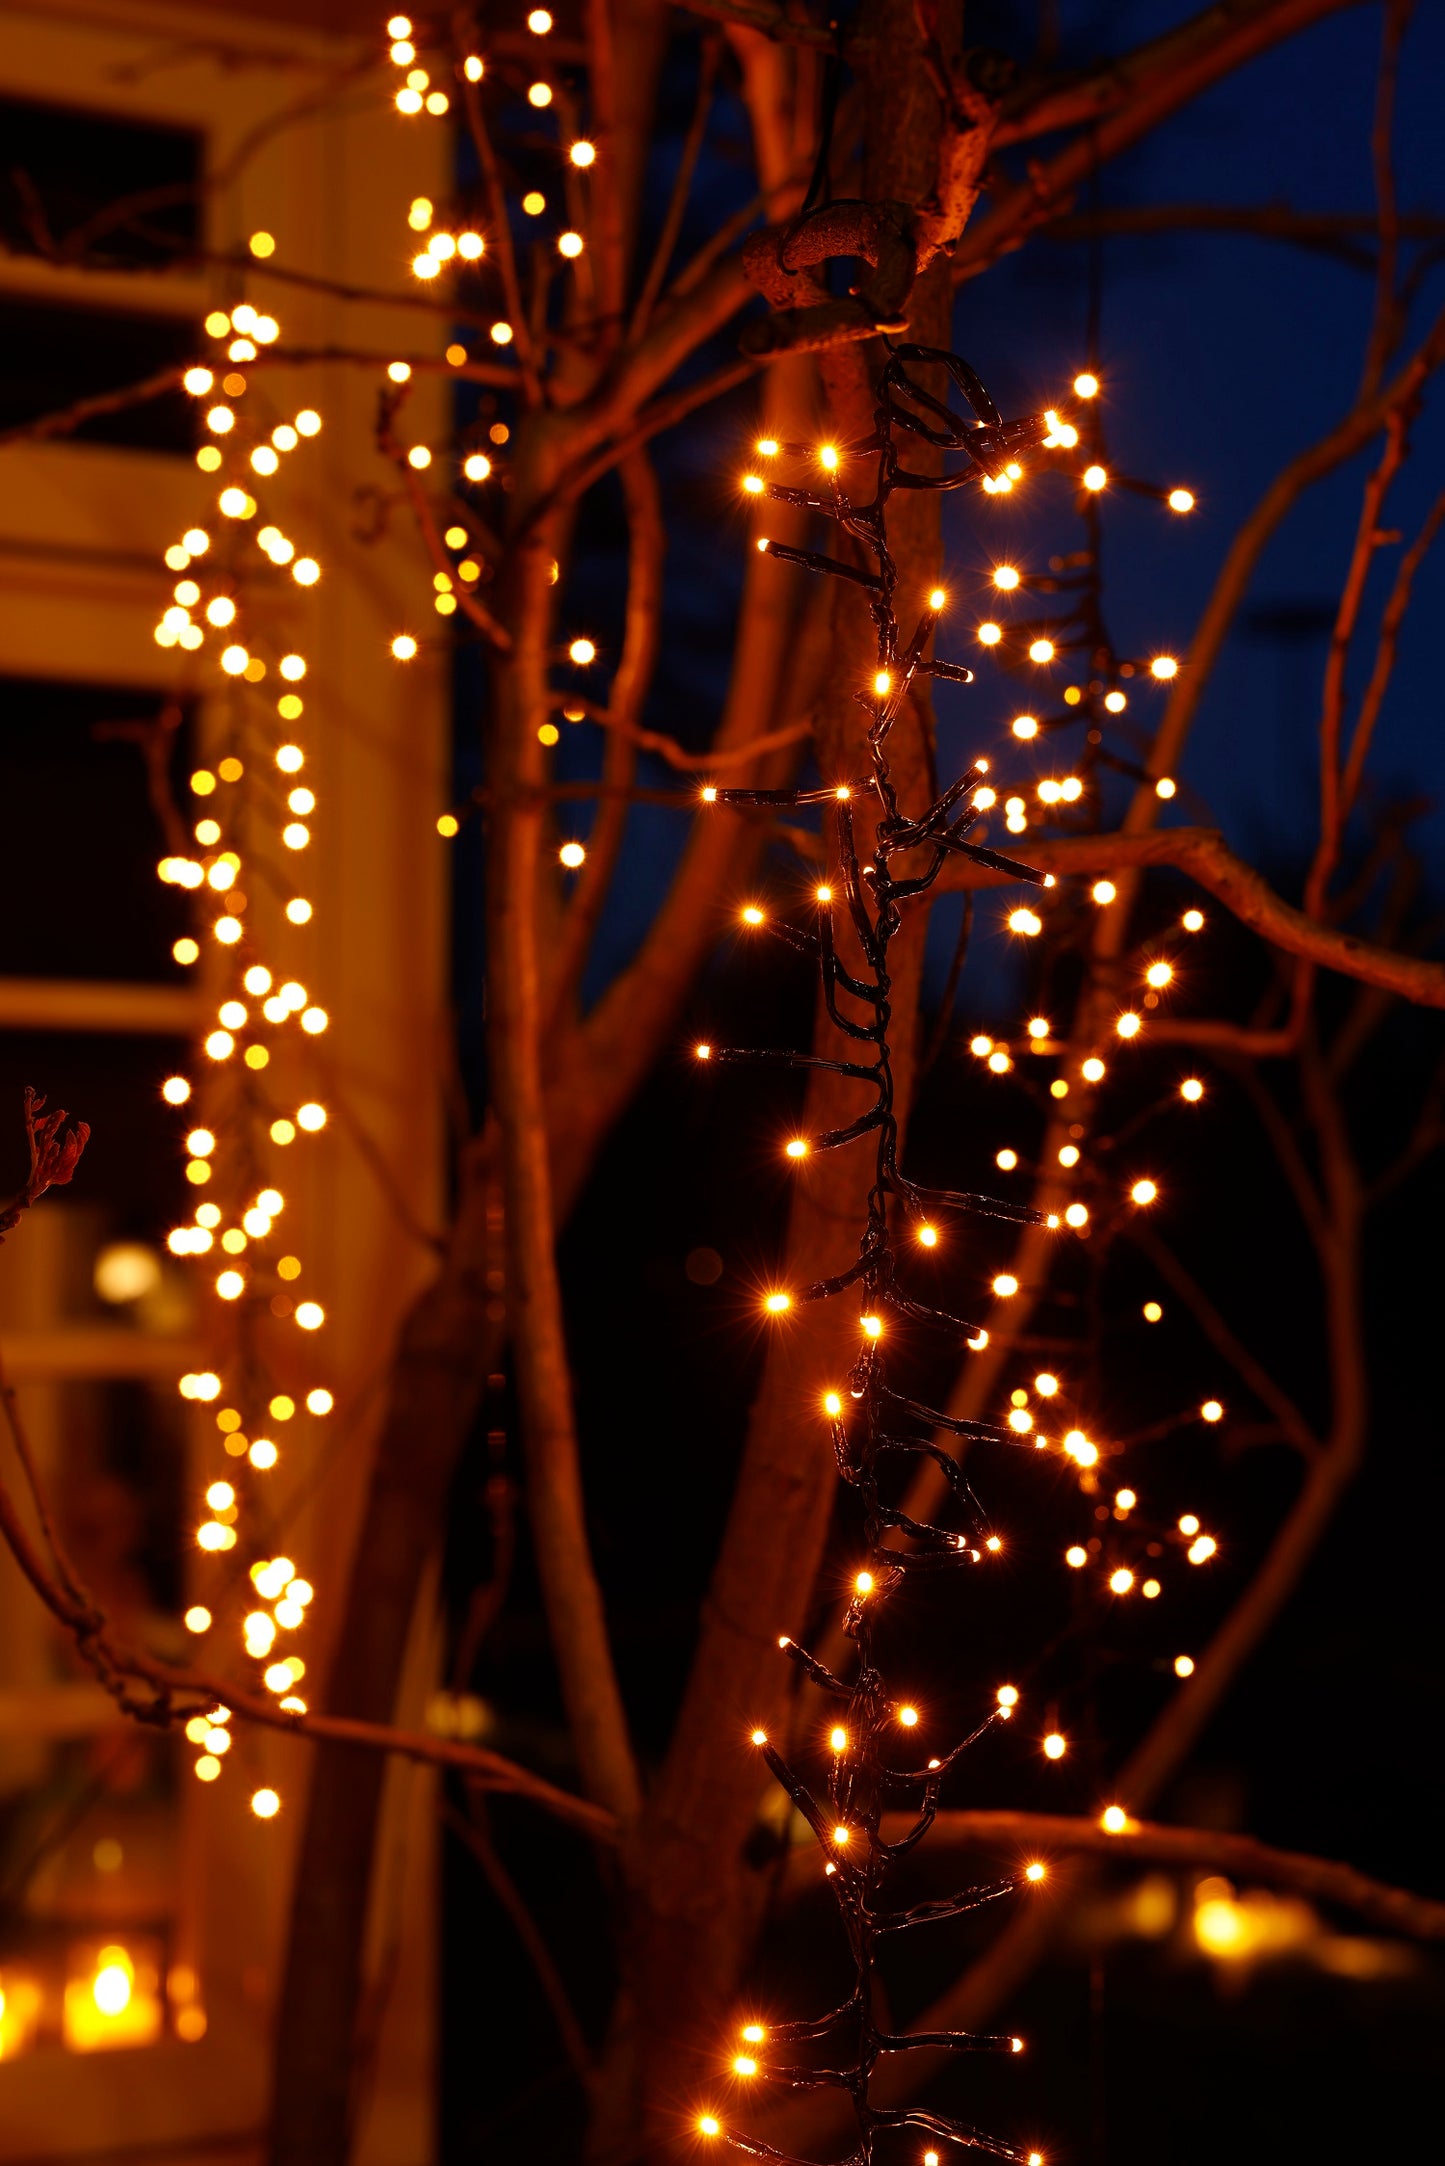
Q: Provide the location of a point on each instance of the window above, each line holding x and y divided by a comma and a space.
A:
95, 186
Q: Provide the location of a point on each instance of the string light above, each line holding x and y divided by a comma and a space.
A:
845, 1821
223, 1150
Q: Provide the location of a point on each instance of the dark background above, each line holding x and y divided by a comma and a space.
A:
1221, 357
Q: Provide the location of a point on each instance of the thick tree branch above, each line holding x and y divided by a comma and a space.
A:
571, 1595
1242, 1857
1203, 854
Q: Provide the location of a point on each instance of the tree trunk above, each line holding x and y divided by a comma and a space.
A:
696, 1901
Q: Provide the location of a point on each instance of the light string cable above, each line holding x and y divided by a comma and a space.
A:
884, 1423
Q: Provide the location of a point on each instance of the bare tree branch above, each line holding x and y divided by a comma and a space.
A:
1251, 1372
1204, 855
1213, 43
1343, 235
1242, 1857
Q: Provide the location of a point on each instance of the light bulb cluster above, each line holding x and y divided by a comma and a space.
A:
252, 812
417, 93
1072, 623
1155, 973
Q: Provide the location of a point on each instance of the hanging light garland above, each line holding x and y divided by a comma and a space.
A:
252, 810
874, 1421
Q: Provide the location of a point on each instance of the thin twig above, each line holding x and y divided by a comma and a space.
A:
1337, 234
642, 633
501, 227
681, 188
1368, 540
1386, 324
1391, 620
475, 1836
1223, 1339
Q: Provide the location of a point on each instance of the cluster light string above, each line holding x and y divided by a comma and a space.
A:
874, 1421
251, 820
252, 814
